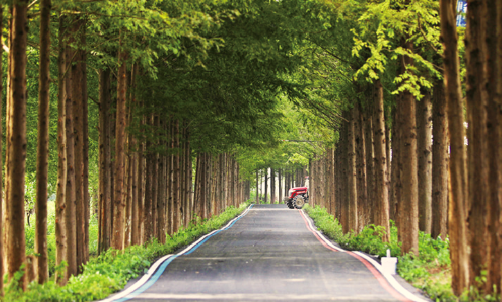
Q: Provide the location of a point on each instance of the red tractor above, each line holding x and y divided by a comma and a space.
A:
298, 196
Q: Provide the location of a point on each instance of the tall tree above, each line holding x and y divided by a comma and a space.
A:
120, 137
424, 147
458, 177
1, 158
60, 204
16, 138
71, 226
43, 143
478, 170
440, 159
380, 162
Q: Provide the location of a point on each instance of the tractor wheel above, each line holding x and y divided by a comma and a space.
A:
299, 201
290, 205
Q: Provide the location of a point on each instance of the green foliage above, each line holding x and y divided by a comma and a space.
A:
430, 271
110, 271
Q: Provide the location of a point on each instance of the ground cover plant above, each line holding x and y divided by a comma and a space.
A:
429, 271
110, 271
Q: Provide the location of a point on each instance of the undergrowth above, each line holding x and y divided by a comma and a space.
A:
110, 271
430, 271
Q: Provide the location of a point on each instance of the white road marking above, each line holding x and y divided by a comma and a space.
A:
254, 297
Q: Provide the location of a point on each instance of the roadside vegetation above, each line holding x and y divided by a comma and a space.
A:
430, 271
110, 271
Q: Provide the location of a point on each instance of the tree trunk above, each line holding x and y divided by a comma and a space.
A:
78, 135
71, 226
120, 137
370, 178
458, 178
16, 146
380, 162
176, 177
104, 161
149, 201
352, 174
344, 184
477, 100
43, 143
424, 147
60, 204
135, 180
440, 159
1, 161
361, 168
494, 42
257, 187
409, 210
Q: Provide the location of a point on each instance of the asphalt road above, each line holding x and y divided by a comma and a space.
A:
268, 255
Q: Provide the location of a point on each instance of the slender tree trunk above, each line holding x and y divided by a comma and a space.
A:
78, 133
352, 174
458, 176
380, 162
43, 143
494, 43
409, 170
104, 161
71, 226
361, 168
86, 147
266, 184
424, 147
120, 137
149, 201
16, 147
370, 177
1, 160
440, 159
344, 200
257, 187
135, 197
60, 204
477, 101
176, 177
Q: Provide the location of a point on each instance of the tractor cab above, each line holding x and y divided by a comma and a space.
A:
298, 196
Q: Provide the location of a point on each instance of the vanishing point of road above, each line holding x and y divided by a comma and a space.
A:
270, 254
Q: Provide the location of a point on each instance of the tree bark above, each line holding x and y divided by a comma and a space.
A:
370, 177
71, 226
440, 159
60, 204
409, 169
16, 147
424, 147
43, 143
120, 136
135, 180
494, 41
477, 100
458, 178
361, 168
352, 174
1, 160
104, 161
78, 135
380, 163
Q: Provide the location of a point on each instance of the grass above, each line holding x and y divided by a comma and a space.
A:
110, 271
430, 271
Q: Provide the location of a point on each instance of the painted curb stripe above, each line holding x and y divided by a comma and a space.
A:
387, 281
153, 274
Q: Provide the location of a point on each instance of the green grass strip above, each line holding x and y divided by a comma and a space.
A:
109, 272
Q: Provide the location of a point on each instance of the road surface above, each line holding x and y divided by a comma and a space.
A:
267, 255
